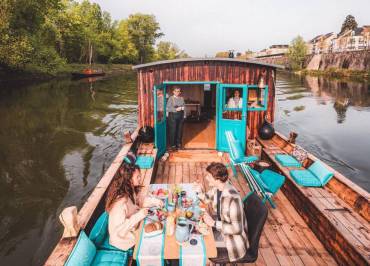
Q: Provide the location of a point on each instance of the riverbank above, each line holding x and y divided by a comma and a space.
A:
30, 77
338, 73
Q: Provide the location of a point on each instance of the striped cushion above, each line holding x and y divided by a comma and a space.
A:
287, 160
305, 178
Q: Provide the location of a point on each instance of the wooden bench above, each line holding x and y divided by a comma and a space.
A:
344, 233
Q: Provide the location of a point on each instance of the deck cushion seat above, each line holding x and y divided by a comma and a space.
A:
100, 230
83, 252
144, 162
272, 180
305, 178
110, 258
287, 160
317, 175
321, 172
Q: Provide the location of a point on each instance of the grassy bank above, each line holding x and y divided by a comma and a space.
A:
339, 73
30, 76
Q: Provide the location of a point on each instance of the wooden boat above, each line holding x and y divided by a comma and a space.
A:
87, 73
310, 226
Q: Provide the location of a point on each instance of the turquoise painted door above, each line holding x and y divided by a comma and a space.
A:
160, 118
231, 113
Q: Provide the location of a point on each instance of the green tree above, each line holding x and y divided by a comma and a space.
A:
349, 24
168, 50
21, 42
222, 54
125, 51
143, 31
297, 52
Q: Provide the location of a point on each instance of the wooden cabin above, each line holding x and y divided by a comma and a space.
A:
207, 84
310, 226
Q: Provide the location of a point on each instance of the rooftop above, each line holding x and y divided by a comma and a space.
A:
230, 60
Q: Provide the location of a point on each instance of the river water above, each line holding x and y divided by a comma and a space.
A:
57, 139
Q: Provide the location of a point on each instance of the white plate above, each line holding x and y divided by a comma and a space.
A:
153, 233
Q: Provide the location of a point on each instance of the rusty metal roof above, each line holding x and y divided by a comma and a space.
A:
230, 60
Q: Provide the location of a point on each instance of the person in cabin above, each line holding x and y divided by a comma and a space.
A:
126, 206
175, 109
230, 220
236, 101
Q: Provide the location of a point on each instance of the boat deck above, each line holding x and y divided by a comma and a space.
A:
339, 225
286, 239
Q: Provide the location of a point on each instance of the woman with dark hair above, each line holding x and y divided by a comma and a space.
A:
126, 206
230, 220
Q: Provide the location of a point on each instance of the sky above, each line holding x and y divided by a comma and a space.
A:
204, 27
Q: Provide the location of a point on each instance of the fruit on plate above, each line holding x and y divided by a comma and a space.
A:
161, 214
160, 192
189, 214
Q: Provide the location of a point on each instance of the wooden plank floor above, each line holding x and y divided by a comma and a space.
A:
200, 134
286, 239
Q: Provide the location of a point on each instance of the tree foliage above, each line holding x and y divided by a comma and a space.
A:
222, 54
168, 50
349, 24
43, 35
297, 52
143, 30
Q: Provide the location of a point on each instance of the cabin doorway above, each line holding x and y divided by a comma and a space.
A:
199, 129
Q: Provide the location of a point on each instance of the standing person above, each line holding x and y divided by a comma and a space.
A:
126, 206
230, 221
175, 109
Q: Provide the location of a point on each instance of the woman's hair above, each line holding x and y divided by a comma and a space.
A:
218, 171
121, 185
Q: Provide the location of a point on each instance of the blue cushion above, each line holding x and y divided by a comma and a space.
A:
258, 178
144, 162
237, 150
305, 178
287, 160
100, 230
321, 172
83, 252
105, 245
272, 180
110, 257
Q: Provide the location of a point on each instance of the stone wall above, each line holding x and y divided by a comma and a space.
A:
356, 60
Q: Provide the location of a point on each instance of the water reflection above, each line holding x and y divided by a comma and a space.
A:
345, 94
56, 140
332, 120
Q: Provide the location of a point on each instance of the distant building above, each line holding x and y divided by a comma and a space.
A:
353, 40
273, 50
321, 44
350, 40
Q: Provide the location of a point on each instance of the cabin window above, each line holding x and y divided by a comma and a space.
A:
232, 103
160, 105
257, 98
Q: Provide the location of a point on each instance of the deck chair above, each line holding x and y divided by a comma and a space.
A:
236, 152
256, 214
267, 183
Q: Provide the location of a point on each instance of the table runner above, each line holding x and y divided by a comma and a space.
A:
191, 255
151, 246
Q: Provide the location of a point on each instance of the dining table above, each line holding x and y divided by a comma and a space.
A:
155, 247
